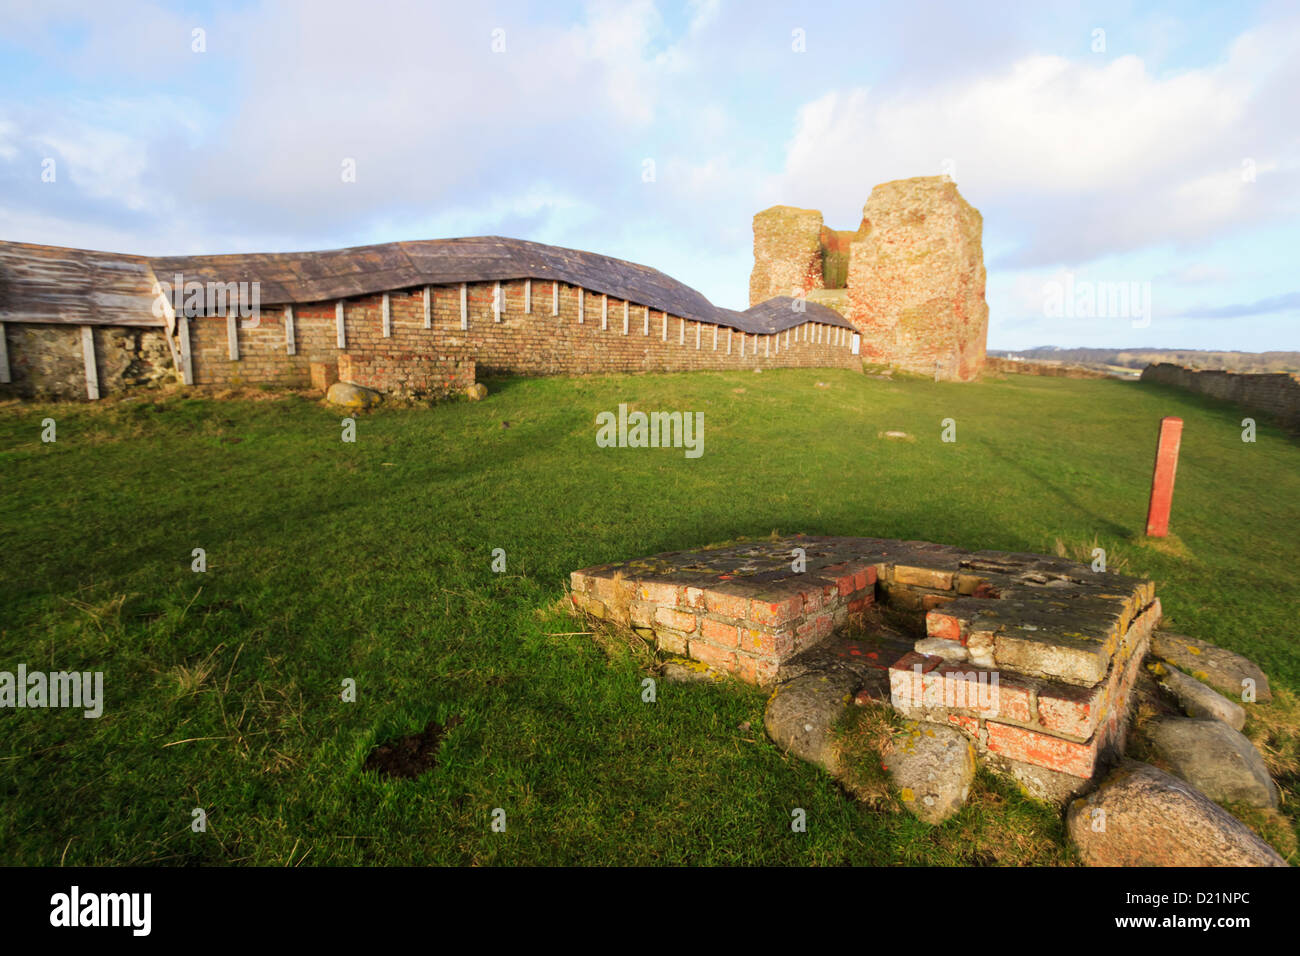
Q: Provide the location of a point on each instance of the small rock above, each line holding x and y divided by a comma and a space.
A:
1197, 699
685, 671
757, 371
823, 385
1214, 759
476, 392
950, 651
801, 713
352, 396
1223, 670
505, 424
895, 434
1149, 818
932, 767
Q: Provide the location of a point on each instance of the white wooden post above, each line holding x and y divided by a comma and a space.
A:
742, 344
555, 298
232, 335
582, 307
528, 297
729, 334
187, 353
88, 358
386, 315
428, 307
4, 357
665, 334
289, 343
604, 312
681, 331
496, 301
715, 338
464, 305
698, 329
338, 324
767, 346
626, 307
647, 320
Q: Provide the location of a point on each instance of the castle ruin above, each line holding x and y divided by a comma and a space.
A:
909, 279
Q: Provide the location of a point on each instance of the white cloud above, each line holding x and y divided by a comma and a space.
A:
1079, 158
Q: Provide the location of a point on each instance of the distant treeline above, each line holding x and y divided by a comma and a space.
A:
1140, 358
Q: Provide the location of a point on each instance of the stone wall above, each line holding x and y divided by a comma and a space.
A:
46, 360
1006, 366
590, 334
915, 284
1274, 394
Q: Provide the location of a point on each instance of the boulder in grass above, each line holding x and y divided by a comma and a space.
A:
476, 392
1142, 816
932, 768
352, 396
1227, 672
1213, 758
802, 713
1197, 699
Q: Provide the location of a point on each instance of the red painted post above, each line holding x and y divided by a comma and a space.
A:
1162, 481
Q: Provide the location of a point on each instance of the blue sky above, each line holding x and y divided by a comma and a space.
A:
1165, 155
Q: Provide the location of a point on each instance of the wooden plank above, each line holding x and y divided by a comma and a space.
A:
581, 307
4, 357
604, 312
647, 320
681, 331
338, 323
528, 297
289, 342
729, 341
88, 358
698, 329
626, 307
715, 338
428, 306
767, 346
665, 335
464, 305
232, 334
187, 352
555, 298
496, 301
386, 315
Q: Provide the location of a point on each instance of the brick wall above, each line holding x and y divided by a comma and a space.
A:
1276, 394
46, 360
527, 342
408, 374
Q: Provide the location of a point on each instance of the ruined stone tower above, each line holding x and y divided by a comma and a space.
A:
910, 279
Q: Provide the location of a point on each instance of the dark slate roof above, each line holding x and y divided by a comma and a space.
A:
289, 277
48, 284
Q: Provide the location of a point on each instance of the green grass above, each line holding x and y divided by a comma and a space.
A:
371, 561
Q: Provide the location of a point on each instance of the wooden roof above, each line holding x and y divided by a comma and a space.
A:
48, 284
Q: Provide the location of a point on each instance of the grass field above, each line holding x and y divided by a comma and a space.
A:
372, 561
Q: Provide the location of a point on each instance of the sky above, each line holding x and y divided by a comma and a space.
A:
1148, 148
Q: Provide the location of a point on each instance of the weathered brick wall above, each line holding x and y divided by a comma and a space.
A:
533, 343
915, 274
1276, 394
46, 361
916, 279
787, 253
407, 374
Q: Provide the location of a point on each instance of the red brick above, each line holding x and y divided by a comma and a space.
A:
845, 585
1030, 746
713, 656
1070, 710
756, 670
815, 630
719, 633
944, 626
766, 612
677, 620
970, 725
728, 605
658, 592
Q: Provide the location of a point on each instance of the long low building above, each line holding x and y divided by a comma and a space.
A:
417, 319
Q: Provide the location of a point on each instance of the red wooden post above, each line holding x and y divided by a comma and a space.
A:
1162, 481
